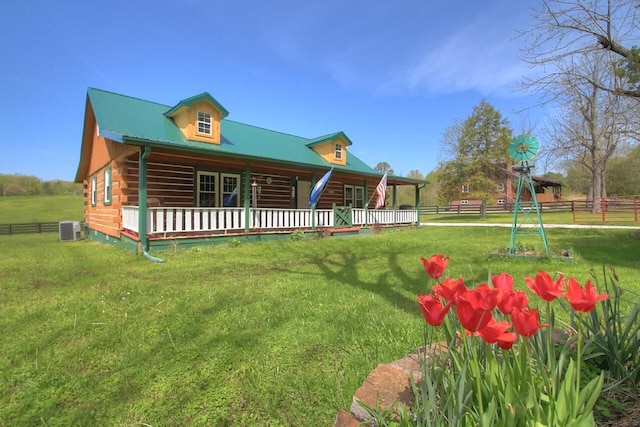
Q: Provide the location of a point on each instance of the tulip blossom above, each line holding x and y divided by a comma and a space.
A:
503, 282
489, 296
545, 287
497, 332
449, 288
514, 299
473, 311
435, 265
526, 322
432, 309
583, 299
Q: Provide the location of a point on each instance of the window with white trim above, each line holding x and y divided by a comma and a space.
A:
354, 196
206, 191
338, 151
500, 187
465, 188
216, 189
204, 123
94, 190
230, 191
501, 201
464, 202
107, 186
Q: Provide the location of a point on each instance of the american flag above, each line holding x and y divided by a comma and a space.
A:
381, 191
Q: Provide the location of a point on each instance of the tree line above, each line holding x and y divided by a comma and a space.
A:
29, 185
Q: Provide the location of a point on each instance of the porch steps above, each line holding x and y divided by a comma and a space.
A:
344, 231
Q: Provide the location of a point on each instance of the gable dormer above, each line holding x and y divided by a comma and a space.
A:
199, 117
332, 147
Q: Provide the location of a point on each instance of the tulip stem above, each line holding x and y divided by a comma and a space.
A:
577, 392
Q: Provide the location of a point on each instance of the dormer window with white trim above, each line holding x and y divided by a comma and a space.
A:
338, 151
465, 188
204, 123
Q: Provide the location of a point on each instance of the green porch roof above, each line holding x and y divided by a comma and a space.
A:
131, 120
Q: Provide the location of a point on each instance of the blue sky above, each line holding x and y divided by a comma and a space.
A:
391, 75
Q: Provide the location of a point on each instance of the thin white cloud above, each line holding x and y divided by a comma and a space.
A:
470, 59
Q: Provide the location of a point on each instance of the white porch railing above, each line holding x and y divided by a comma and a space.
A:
384, 217
179, 220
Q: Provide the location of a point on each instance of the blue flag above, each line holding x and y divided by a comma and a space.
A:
317, 189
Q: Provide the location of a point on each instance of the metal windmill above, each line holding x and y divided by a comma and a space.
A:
523, 149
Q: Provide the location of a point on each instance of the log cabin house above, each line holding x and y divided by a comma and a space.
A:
157, 176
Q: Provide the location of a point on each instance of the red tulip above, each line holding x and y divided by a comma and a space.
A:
583, 300
473, 311
435, 265
503, 282
526, 322
496, 332
545, 287
508, 301
489, 296
449, 288
432, 309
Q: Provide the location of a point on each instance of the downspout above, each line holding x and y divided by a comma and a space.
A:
145, 152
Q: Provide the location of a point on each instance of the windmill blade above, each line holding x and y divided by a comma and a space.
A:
523, 148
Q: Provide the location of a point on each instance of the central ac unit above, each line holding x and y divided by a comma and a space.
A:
69, 230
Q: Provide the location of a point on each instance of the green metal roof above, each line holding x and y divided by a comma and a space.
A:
125, 119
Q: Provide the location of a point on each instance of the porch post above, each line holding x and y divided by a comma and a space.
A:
418, 202
145, 152
395, 206
366, 205
313, 206
247, 192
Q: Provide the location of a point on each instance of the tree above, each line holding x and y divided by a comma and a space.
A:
383, 167
622, 176
474, 147
566, 29
590, 125
406, 193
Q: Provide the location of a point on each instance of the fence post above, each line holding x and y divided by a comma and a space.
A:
603, 209
635, 208
573, 210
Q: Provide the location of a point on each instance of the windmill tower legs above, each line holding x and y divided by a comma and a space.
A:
523, 211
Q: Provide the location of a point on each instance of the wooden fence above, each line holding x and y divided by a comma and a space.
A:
30, 227
606, 209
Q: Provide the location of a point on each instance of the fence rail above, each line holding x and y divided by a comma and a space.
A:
603, 210
30, 227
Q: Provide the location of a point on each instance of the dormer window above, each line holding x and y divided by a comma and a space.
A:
338, 151
204, 123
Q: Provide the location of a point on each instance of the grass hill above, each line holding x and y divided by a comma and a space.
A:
22, 209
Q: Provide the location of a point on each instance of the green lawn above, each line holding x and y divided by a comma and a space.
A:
273, 333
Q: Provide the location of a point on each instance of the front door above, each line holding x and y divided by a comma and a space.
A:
302, 196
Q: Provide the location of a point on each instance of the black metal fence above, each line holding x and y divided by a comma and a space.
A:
31, 227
